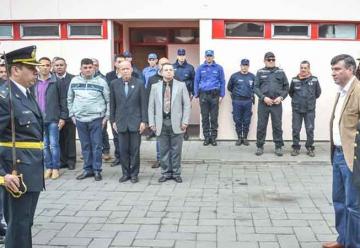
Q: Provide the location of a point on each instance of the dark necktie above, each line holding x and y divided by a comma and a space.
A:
167, 99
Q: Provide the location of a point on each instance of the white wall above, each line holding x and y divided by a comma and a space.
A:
71, 50
289, 53
186, 9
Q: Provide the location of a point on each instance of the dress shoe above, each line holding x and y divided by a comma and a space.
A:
163, 179
295, 152
97, 176
134, 179
238, 142
115, 163
213, 142
47, 173
178, 179
71, 166
332, 244
106, 156
245, 141
206, 142
84, 175
156, 164
278, 152
124, 179
259, 151
55, 174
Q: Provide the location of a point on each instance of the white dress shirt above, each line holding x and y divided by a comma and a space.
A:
21, 88
337, 114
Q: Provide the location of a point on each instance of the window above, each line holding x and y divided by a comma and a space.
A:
85, 30
291, 30
6, 31
244, 29
340, 31
40, 30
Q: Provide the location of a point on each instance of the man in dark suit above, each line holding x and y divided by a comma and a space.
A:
128, 115
24, 154
68, 132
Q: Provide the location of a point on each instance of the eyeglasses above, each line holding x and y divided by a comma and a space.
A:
270, 60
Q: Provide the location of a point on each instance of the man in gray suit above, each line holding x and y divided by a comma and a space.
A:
169, 113
128, 116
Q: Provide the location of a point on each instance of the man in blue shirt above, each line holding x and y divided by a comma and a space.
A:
152, 69
209, 87
241, 86
184, 72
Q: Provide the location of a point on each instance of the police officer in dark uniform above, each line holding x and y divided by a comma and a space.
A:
241, 86
304, 90
271, 86
184, 72
21, 136
209, 87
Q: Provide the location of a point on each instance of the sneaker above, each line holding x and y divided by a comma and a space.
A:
278, 152
47, 173
55, 174
295, 152
259, 151
311, 153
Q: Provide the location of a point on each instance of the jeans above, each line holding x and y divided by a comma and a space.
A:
346, 200
90, 134
51, 145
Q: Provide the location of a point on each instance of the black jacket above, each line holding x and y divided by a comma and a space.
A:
304, 93
110, 76
29, 127
271, 82
55, 101
64, 86
128, 111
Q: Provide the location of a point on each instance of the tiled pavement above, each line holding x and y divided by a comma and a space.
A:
229, 198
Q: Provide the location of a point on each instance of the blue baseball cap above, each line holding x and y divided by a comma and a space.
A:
152, 56
127, 54
209, 53
181, 52
245, 62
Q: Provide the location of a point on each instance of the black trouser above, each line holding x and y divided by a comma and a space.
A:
116, 144
105, 140
276, 119
129, 143
68, 144
309, 119
170, 150
19, 216
209, 105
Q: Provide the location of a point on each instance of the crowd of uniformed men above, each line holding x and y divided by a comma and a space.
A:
42, 105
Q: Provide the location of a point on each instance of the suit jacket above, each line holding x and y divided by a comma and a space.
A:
128, 111
29, 127
180, 106
350, 115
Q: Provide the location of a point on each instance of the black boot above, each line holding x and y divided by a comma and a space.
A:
245, 140
239, 140
206, 141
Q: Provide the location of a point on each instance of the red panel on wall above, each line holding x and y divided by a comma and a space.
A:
218, 29
314, 31
267, 30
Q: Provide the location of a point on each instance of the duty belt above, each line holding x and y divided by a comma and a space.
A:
24, 144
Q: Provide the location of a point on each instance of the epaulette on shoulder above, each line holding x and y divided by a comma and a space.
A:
314, 79
4, 91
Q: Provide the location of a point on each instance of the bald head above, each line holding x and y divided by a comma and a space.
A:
162, 61
125, 70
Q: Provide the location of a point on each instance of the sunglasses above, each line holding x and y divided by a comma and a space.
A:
270, 60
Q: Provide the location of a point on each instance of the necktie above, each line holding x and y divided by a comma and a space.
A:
167, 99
126, 88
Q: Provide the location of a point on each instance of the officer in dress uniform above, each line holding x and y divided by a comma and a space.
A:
21, 153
